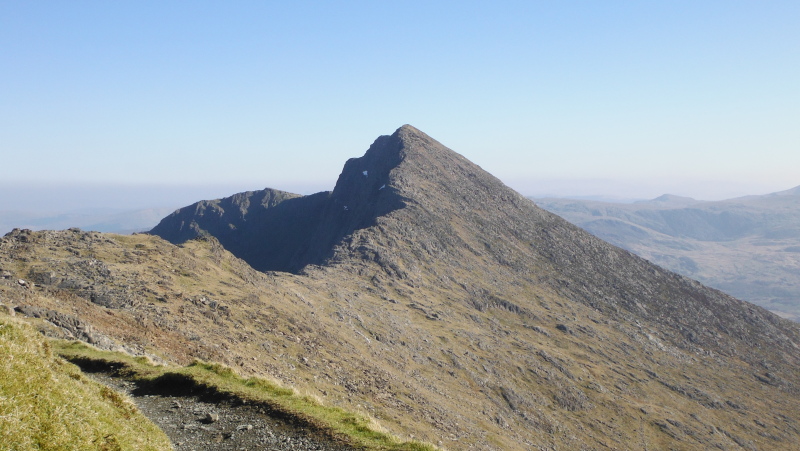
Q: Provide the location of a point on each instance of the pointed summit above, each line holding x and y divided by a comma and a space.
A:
408, 129
411, 208
423, 197
277, 231
389, 152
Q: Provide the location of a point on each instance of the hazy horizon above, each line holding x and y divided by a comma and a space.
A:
618, 99
74, 197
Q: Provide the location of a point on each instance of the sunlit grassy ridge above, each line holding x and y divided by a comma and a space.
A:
46, 403
354, 429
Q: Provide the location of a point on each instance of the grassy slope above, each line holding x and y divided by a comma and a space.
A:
47, 403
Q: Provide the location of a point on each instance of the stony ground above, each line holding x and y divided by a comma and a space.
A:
194, 424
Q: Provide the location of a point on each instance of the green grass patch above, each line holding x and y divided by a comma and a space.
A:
351, 428
47, 403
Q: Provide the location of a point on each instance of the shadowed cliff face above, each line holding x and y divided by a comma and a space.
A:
264, 228
364, 192
277, 231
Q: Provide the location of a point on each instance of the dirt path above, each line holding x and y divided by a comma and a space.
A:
193, 423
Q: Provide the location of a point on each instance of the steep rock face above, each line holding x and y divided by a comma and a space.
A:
412, 206
278, 231
461, 221
264, 228
452, 208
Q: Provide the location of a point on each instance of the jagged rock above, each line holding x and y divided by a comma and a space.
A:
75, 327
44, 277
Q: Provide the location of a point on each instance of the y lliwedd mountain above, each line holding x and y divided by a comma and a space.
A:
424, 292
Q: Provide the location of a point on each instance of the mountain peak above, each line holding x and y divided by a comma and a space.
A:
409, 129
407, 168
409, 134
670, 199
388, 151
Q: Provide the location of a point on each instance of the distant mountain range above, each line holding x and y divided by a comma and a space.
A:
748, 246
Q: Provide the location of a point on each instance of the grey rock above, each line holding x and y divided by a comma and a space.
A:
75, 327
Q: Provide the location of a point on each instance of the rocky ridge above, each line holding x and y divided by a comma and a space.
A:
443, 304
411, 202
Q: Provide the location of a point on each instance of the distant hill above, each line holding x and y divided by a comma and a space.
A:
425, 293
748, 246
99, 220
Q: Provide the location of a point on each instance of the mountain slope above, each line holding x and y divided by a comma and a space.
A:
410, 202
747, 246
445, 305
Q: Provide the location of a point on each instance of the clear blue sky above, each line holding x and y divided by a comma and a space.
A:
619, 98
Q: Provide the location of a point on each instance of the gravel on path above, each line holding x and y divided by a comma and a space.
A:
194, 423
